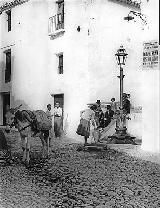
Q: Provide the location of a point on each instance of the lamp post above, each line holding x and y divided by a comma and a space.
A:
121, 135
121, 56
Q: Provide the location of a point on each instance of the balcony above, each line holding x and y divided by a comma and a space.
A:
56, 25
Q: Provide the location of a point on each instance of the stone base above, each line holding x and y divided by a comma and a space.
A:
93, 147
122, 139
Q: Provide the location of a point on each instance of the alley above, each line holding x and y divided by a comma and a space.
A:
71, 178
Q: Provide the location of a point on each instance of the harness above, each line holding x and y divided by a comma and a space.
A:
24, 127
28, 115
14, 124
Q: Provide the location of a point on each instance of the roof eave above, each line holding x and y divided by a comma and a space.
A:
7, 6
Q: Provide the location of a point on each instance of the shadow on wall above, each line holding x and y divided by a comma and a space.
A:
2, 65
135, 124
66, 125
19, 102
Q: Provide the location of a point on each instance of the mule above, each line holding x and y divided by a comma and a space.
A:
28, 126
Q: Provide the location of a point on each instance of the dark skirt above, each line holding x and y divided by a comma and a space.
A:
84, 128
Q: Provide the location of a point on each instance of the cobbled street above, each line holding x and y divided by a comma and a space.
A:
71, 178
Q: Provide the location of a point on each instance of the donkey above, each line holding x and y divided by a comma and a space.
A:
29, 126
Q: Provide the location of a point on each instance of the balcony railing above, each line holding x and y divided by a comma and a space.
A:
56, 23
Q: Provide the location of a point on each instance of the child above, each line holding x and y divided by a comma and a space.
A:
113, 105
93, 129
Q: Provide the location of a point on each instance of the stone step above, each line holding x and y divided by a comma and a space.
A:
95, 146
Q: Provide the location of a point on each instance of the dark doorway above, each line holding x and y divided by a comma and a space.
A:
60, 99
6, 104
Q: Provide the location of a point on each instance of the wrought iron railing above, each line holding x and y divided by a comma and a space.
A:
56, 23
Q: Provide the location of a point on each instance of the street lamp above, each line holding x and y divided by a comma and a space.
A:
121, 57
131, 15
121, 135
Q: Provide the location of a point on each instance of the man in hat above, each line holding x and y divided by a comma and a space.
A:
108, 115
113, 105
99, 115
126, 104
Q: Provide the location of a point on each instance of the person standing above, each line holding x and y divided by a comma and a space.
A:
113, 105
126, 104
57, 120
48, 112
99, 115
49, 116
108, 116
87, 116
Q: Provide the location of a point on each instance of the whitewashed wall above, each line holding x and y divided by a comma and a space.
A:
90, 68
150, 87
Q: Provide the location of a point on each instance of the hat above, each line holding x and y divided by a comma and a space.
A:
98, 102
124, 95
108, 106
12, 110
93, 107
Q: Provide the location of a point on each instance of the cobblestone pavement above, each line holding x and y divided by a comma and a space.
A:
71, 178
137, 151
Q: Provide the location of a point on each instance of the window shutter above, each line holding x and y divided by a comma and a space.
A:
61, 64
61, 60
8, 67
9, 20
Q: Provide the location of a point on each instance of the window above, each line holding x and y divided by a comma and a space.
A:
60, 15
9, 20
60, 65
8, 66
56, 22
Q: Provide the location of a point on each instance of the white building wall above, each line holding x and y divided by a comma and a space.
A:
109, 31
74, 82
90, 68
20, 39
150, 87
31, 50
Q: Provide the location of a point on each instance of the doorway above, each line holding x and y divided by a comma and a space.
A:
60, 99
6, 105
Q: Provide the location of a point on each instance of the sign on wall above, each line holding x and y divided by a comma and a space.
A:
150, 54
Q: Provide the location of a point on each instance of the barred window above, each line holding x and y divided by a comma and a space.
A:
9, 20
60, 66
8, 66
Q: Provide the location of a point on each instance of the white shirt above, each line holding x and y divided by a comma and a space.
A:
49, 115
87, 114
58, 111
